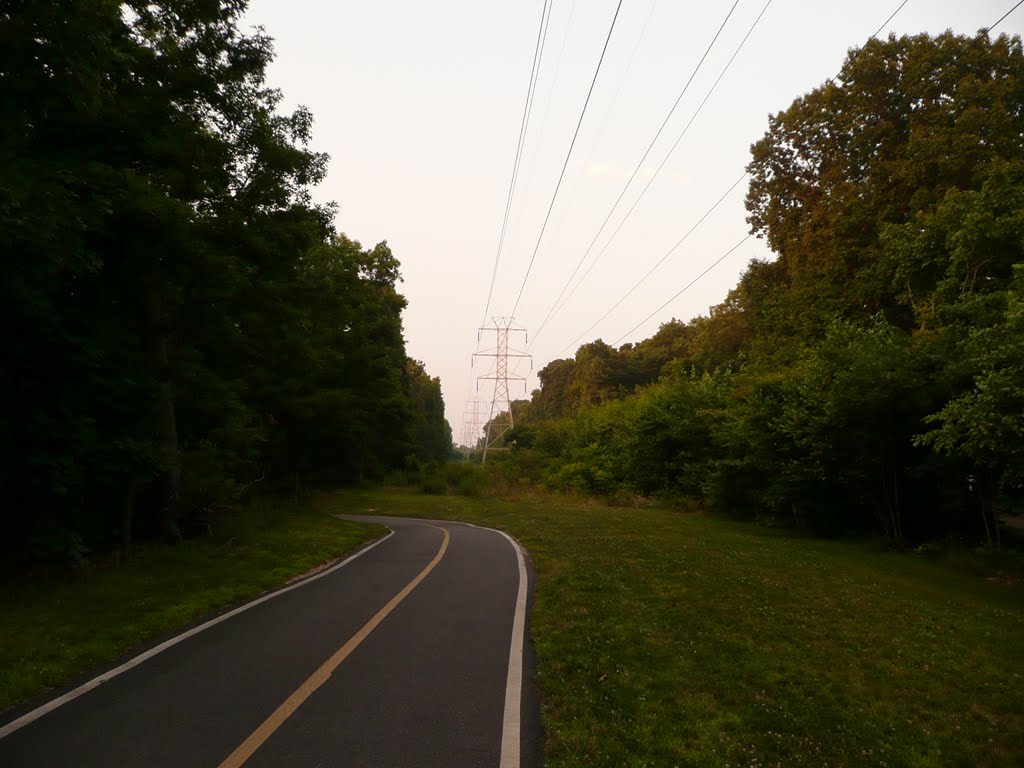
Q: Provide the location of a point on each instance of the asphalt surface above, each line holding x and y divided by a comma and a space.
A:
426, 687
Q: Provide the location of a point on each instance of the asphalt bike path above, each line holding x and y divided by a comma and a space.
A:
400, 658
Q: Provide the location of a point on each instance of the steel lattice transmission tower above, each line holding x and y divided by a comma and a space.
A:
471, 425
500, 419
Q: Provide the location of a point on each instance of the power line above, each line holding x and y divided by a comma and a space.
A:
891, 17
540, 136
625, 72
661, 261
538, 56
1001, 18
665, 160
565, 165
832, 80
685, 288
554, 79
723, 257
538, 53
716, 263
636, 170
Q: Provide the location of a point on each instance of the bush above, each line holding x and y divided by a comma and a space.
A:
466, 478
434, 484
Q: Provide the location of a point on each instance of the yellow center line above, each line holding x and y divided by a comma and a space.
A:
256, 739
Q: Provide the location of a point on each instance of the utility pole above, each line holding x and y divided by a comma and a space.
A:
501, 403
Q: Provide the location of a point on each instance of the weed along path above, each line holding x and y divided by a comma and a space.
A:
410, 653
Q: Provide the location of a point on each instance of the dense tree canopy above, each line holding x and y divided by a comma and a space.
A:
906, 121
183, 319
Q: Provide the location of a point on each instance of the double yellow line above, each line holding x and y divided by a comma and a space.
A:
256, 739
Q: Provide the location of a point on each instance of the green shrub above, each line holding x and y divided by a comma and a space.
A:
473, 483
466, 478
434, 483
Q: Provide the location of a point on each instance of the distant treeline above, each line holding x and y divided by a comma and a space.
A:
183, 321
871, 376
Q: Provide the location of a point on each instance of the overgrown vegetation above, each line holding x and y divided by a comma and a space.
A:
183, 320
871, 377
676, 639
55, 625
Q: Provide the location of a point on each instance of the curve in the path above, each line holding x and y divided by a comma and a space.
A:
404, 655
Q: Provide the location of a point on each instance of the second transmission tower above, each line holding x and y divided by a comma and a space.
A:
471, 426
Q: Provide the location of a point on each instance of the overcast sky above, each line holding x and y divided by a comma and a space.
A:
419, 106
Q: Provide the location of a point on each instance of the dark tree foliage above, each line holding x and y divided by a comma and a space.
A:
183, 320
869, 377
906, 121
430, 435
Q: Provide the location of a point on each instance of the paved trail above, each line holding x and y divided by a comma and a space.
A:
399, 659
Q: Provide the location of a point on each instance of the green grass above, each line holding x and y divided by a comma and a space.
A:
54, 628
669, 639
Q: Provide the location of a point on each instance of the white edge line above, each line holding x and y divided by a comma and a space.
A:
99, 680
512, 721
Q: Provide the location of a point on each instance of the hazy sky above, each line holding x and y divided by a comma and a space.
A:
419, 106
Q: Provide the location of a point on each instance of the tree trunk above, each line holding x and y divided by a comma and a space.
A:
896, 516
985, 496
988, 509
165, 426
127, 516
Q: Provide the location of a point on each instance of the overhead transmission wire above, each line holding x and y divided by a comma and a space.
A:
892, 16
727, 253
558, 308
554, 78
686, 287
636, 170
625, 72
565, 165
543, 46
1001, 18
661, 261
832, 80
883, 25
618, 89
524, 124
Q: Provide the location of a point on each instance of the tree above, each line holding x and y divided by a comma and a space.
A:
554, 398
905, 121
328, 362
947, 259
185, 320
985, 424
429, 432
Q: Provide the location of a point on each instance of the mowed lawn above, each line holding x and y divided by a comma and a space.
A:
671, 639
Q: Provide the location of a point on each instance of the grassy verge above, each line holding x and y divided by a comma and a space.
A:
54, 628
669, 639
